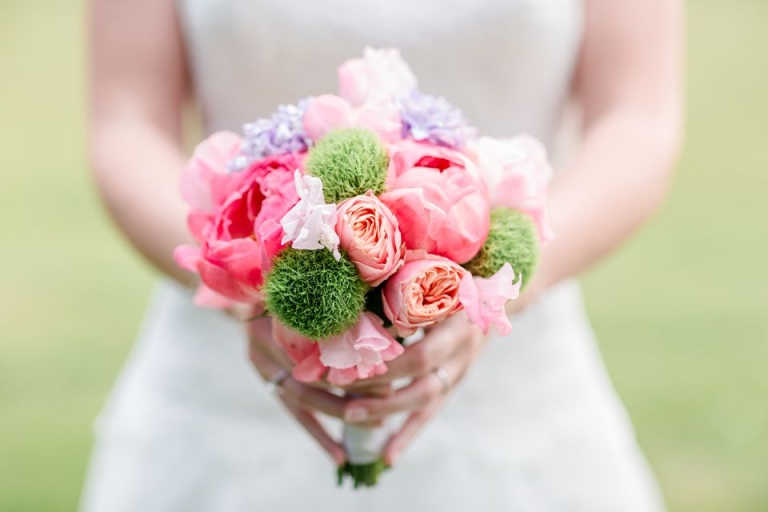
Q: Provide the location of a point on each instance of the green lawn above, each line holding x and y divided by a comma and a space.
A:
681, 311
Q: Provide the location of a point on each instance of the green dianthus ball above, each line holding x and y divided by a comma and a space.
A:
313, 294
350, 162
512, 239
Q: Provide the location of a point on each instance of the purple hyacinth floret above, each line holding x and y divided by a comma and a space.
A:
432, 119
280, 134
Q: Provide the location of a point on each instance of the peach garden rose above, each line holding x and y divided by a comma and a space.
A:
371, 237
423, 292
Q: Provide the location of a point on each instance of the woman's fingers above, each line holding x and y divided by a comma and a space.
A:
407, 433
313, 398
380, 390
260, 338
316, 430
419, 393
302, 395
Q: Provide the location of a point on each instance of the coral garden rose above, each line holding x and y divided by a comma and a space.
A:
518, 173
370, 235
439, 200
423, 292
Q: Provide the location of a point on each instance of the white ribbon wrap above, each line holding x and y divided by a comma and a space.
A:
364, 445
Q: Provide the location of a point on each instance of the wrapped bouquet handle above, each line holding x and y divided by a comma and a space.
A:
364, 447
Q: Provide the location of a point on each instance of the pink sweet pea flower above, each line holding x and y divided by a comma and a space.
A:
304, 353
439, 201
379, 74
518, 173
423, 292
328, 112
484, 299
370, 235
311, 223
360, 352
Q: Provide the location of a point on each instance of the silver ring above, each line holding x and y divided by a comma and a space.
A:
276, 382
442, 376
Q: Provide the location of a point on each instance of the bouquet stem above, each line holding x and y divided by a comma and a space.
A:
364, 462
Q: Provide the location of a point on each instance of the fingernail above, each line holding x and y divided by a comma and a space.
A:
355, 415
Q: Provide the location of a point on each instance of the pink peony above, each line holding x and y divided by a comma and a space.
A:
231, 269
360, 352
304, 353
518, 174
484, 299
328, 112
205, 183
370, 235
423, 292
439, 201
262, 192
234, 216
379, 74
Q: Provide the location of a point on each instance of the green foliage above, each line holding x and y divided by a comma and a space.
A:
350, 162
512, 239
362, 475
312, 293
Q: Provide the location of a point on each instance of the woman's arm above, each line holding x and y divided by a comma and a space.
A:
138, 83
629, 83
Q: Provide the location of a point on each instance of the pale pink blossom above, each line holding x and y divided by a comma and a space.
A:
439, 200
484, 299
311, 223
423, 292
369, 234
518, 174
379, 74
360, 352
328, 112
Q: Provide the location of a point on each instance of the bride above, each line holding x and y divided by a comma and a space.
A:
529, 422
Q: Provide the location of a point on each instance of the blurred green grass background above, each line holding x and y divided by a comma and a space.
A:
681, 311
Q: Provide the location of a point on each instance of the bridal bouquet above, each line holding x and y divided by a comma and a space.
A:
357, 219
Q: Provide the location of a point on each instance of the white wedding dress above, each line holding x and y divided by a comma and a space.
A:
535, 426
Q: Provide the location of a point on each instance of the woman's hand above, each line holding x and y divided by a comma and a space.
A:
435, 364
302, 400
